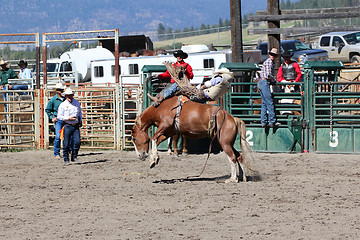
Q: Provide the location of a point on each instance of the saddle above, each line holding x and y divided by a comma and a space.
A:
211, 125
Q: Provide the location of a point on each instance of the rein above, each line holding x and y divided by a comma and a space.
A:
212, 139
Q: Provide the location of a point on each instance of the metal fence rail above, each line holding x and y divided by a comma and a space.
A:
19, 119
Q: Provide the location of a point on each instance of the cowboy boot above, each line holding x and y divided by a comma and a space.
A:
157, 100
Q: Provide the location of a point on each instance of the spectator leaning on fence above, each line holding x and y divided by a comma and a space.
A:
24, 73
267, 78
6, 73
70, 112
52, 110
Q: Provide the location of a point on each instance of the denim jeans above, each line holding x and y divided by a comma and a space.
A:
20, 87
71, 132
170, 90
267, 106
57, 142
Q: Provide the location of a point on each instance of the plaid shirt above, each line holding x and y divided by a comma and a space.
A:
267, 69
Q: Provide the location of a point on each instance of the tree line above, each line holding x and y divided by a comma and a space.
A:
164, 33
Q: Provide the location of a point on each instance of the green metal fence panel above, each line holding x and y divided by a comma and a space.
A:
244, 101
332, 110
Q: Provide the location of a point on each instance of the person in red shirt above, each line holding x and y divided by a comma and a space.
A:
289, 71
173, 88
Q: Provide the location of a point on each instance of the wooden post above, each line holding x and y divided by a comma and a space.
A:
236, 31
274, 39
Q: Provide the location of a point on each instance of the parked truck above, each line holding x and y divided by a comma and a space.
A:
301, 51
341, 46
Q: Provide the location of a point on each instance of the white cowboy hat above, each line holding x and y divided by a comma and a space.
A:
3, 62
68, 91
59, 85
225, 73
274, 51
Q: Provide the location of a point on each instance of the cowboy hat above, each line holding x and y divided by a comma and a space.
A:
22, 62
59, 85
287, 53
3, 62
180, 53
225, 73
273, 52
68, 91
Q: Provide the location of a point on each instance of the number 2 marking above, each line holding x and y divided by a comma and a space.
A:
249, 135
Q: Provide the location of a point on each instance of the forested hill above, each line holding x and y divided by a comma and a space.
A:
127, 15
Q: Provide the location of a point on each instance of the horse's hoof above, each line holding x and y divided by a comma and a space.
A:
152, 164
231, 180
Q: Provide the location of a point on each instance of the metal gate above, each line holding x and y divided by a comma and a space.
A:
20, 120
333, 110
244, 102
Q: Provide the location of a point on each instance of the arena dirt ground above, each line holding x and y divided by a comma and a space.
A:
114, 195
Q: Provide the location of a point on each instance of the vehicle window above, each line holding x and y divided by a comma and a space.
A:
299, 46
133, 69
263, 48
352, 38
113, 70
336, 39
290, 46
99, 71
209, 63
325, 42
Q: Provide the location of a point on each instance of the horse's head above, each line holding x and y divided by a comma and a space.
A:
141, 141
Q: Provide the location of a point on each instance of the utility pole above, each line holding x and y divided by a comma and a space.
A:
236, 31
274, 39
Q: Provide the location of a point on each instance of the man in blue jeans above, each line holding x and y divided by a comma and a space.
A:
52, 110
70, 112
267, 77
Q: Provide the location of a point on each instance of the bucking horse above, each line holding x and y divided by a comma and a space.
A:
193, 120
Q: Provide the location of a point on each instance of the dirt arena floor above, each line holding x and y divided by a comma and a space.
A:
113, 195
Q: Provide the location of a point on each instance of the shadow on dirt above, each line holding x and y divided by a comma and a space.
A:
90, 162
214, 179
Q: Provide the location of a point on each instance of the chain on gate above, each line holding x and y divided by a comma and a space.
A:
331, 109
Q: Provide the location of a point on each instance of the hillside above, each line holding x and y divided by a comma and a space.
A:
139, 16
222, 38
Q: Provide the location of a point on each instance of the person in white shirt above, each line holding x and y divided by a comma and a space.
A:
70, 113
24, 73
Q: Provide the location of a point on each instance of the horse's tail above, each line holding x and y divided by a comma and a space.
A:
246, 151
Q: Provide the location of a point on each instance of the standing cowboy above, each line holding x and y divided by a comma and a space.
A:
70, 112
52, 110
171, 89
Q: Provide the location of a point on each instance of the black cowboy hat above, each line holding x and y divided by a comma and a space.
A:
286, 53
180, 53
22, 62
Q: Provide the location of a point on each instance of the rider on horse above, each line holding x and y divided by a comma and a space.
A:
210, 90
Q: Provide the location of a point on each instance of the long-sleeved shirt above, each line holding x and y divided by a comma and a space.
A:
25, 73
7, 74
267, 70
189, 72
212, 82
70, 109
280, 76
53, 105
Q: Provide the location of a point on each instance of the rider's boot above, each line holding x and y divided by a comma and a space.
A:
157, 100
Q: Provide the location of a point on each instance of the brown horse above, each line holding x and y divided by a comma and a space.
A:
194, 122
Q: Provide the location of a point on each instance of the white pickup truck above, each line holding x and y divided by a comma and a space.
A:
341, 46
